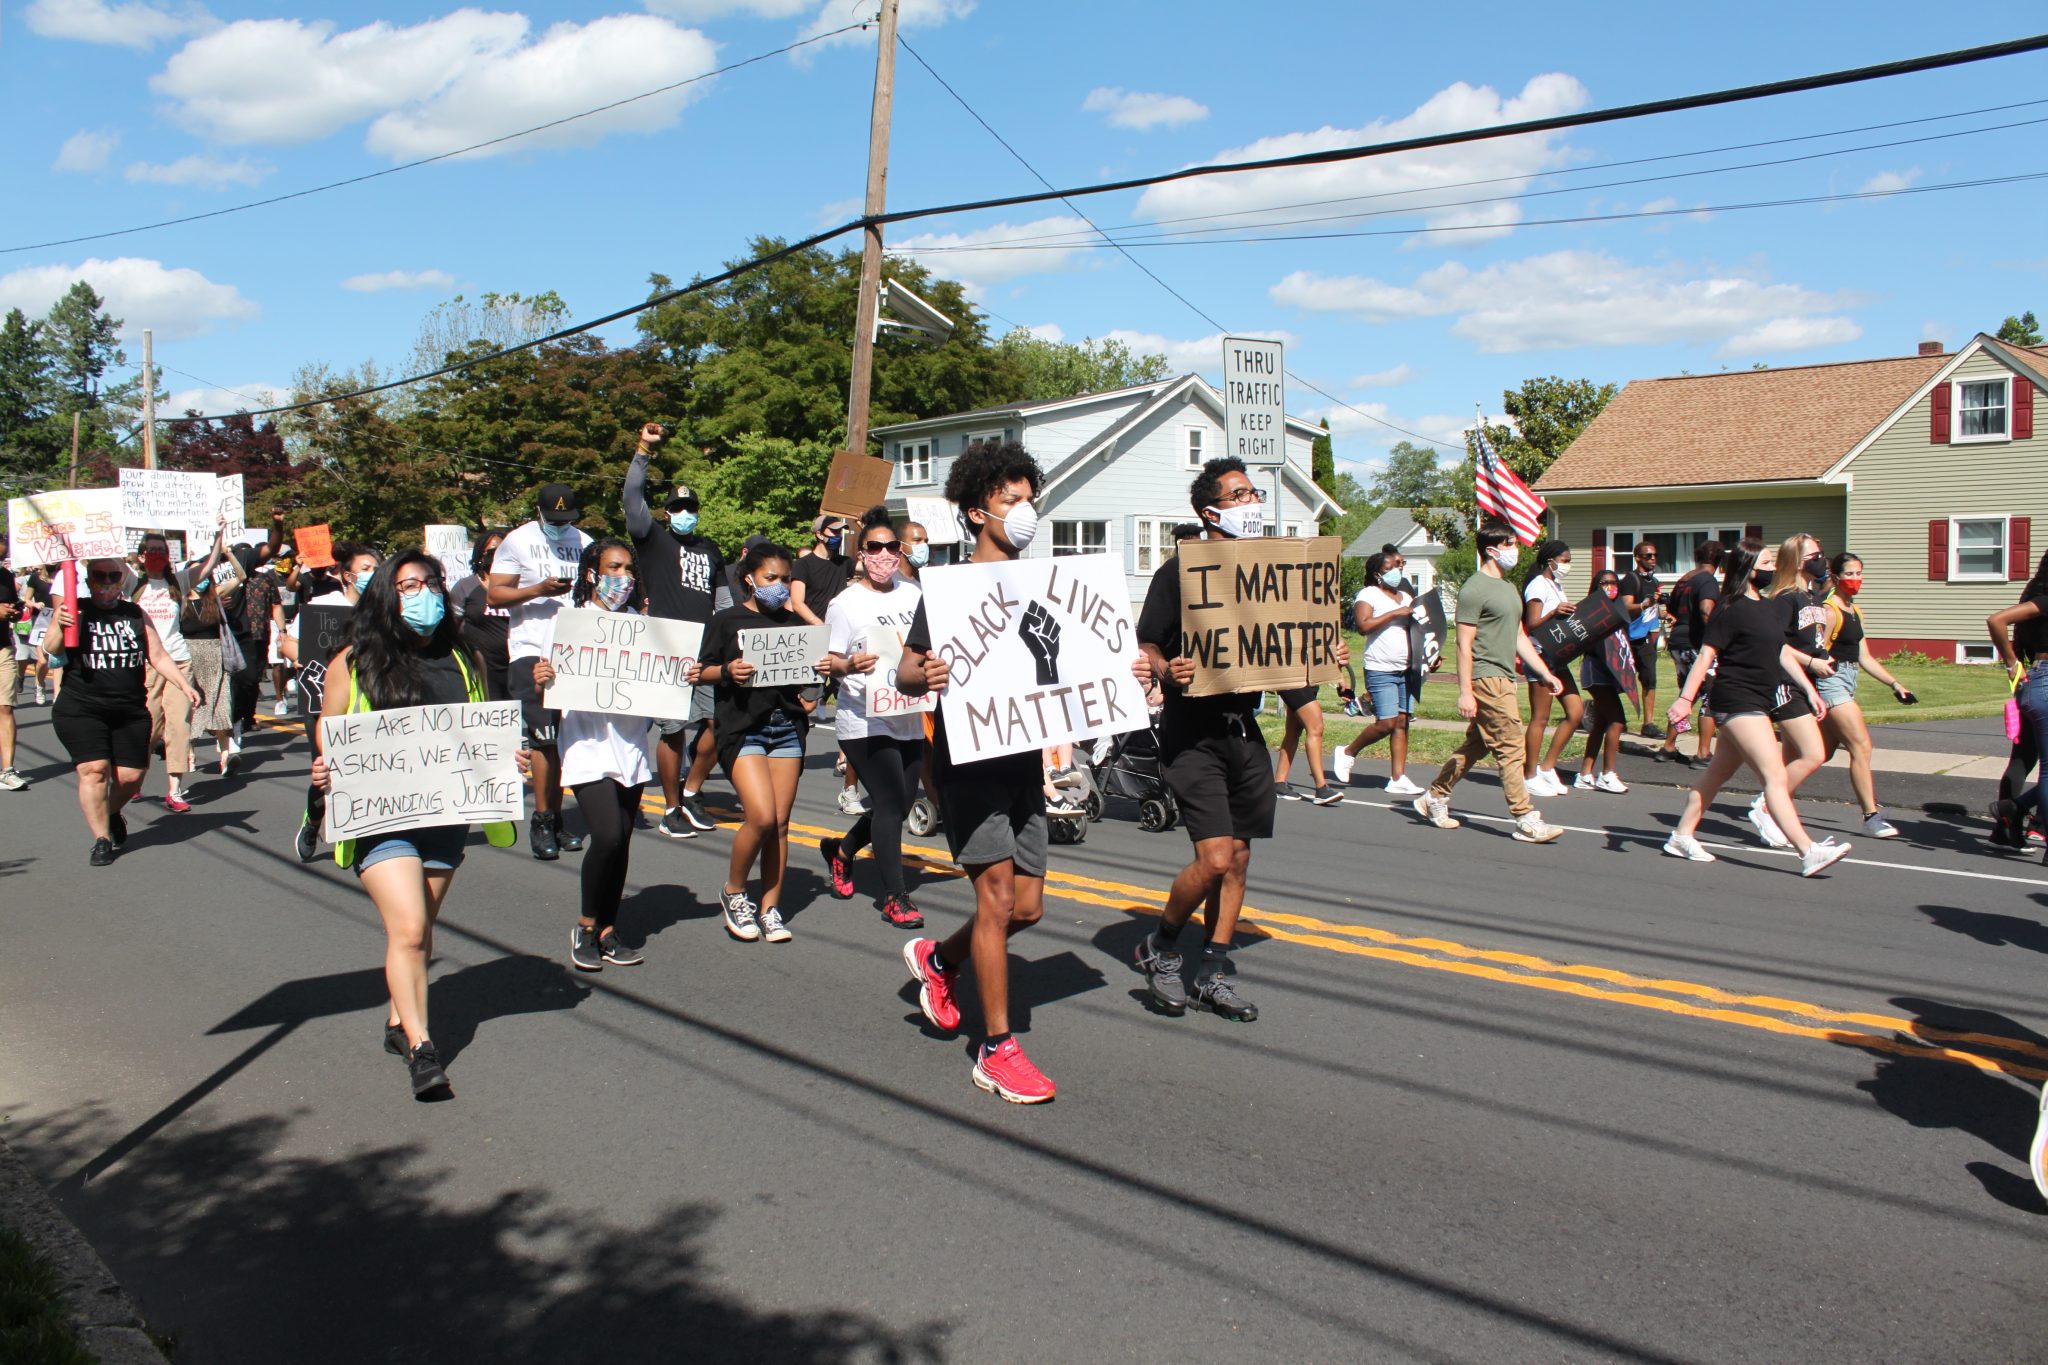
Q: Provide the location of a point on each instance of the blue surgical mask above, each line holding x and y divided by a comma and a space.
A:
423, 610
556, 530
832, 546
917, 555
684, 522
363, 580
774, 596
613, 589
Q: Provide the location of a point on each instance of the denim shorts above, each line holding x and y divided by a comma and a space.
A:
1389, 693
440, 847
775, 737
1840, 686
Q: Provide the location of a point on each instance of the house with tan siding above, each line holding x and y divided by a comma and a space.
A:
1926, 466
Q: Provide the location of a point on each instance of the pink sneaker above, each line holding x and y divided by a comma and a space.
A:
935, 994
1009, 1073
839, 866
177, 803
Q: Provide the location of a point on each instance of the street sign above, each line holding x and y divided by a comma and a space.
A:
1254, 402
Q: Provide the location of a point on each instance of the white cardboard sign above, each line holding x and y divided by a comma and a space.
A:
418, 766
623, 665
1254, 402
784, 656
450, 545
884, 640
176, 500
940, 519
1038, 652
65, 524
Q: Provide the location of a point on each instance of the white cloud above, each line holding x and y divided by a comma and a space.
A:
399, 279
1202, 355
839, 211
133, 25
207, 172
433, 86
1047, 331
175, 301
85, 151
1356, 424
212, 402
1889, 182
1586, 298
978, 270
1394, 181
1385, 379
696, 11
1143, 111
834, 14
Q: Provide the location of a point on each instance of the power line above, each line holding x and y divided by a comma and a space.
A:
1328, 156
430, 160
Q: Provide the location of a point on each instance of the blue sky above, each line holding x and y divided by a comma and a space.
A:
127, 111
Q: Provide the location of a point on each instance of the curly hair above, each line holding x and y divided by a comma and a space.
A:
586, 571
988, 468
1208, 485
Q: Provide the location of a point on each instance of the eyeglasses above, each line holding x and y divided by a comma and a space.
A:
411, 586
1242, 495
882, 547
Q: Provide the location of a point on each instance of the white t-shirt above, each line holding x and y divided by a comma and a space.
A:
863, 621
529, 553
595, 745
1386, 649
162, 601
1544, 592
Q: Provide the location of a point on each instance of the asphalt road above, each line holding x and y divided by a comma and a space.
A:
1504, 1102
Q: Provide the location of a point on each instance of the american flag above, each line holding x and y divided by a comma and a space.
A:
1501, 494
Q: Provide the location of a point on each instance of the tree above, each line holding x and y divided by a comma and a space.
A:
1063, 369
237, 444
1410, 478
28, 451
494, 321
767, 485
1547, 416
83, 344
2020, 331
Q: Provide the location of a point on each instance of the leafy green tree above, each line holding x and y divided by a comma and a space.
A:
766, 485
1410, 478
1065, 369
2020, 331
492, 320
83, 343
1547, 416
28, 450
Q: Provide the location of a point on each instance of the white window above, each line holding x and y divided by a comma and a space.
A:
1196, 439
1980, 409
1080, 537
1976, 549
1676, 546
1151, 543
914, 462
982, 438
1975, 654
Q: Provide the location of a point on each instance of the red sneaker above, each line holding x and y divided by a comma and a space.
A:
177, 803
1009, 1073
935, 996
840, 867
900, 912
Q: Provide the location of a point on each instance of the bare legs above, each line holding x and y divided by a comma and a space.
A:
408, 898
103, 790
1304, 720
1006, 902
1747, 739
767, 791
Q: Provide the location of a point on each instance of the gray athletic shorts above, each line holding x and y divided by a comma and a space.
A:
987, 822
700, 706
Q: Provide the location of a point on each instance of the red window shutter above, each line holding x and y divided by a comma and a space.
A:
1753, 532
1937, 550
2022, 415
1599, 550
2019, 550
1939, 432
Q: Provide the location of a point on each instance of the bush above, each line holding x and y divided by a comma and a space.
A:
1911, 658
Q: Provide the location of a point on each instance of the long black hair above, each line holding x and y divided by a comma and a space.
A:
1737, 564
1546, 555
479, 562
389, 656
586, 571
2038, 584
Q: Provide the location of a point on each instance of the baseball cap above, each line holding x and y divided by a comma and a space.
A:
558, 503
827, 520
682, 498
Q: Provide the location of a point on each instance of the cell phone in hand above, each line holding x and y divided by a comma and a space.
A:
1684, 723
1906, 698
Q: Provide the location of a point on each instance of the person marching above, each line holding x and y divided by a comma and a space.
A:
200, 622
1381, 613
11, 621
356, 565
535, 568
1642, 597
760, 743
402, 651
1490, 639
917, 549
604, 762
1799, 576
1843, 726
486, 630
683, 577
1610, 717
1753, 670
1214, 759
160, 592
1691, 607
102, 715
2020, 635
1543, 600
992, 809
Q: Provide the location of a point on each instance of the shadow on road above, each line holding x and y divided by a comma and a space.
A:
246, 1253
1997, 931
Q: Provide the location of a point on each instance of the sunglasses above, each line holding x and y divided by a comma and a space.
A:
882, 547
106, 577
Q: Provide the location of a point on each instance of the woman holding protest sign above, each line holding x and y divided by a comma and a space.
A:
760, 734
402, 652
1597, 676
199, 621
160, 593
102, 716
604, 762
1544, 600
878, 731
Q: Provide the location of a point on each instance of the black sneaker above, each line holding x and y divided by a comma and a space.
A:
117, 824
584, 951
617, 953
571, 843
694, 813
1162, 970
675, 826
429, 1081
540, 837
1214, 992
102, 853
307, 842
394, 1039
1652, 730
1664, 756
1326, 796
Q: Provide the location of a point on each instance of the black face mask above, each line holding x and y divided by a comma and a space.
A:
1761, 579
1816, 567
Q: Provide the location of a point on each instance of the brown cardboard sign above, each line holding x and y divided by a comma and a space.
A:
854, 483
1262, 614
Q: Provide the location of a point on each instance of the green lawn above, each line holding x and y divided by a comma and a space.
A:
33, 1328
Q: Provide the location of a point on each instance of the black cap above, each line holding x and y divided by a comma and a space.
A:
557, 503
682, 498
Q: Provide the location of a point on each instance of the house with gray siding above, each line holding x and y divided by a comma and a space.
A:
1925, 466
1398, 527
1117, 468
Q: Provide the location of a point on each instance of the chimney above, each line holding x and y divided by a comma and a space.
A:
1930, 348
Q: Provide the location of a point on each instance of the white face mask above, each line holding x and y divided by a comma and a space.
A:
1020, 526
1558, 569
1242, 521
1504, 558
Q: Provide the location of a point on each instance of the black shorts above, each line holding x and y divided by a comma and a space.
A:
542, 723
1793, 706
93, 734
1224, 786
1645, 652
1294, 698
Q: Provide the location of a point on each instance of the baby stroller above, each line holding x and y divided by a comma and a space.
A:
1130, 770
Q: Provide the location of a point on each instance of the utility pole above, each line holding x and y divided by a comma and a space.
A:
871, 244
148, 402
74, 450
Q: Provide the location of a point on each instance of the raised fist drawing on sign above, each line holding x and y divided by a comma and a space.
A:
1042, 638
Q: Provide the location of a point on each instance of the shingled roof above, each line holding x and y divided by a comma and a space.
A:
1744, 426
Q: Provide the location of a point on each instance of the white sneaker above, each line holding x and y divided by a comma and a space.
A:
1686, 847
1539, 785
1403, 786
1436, 810
282, 709
850, 802
1877, 827
1608, 782
1341, 764
1821, 856
1530, 829
1767, 828
2037, 1150
1549, 778
1583, 782
773, 930
11, 781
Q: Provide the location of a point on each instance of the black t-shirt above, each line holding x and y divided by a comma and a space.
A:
737, 709
1803, 617
2030, 637
1185, 719
9, 594
822, 579
1004, 770
681, 575
486, 629
1847, 647
1747, 635
107, 668
1688, 602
